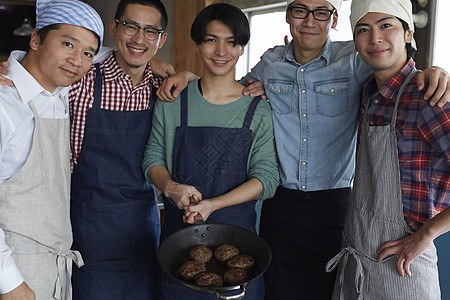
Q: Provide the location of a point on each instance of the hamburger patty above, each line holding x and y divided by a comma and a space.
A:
191, 268
201, 253
235, 276
208, 279
241, 261
225, 252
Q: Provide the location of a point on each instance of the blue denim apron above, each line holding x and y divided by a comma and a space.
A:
114, 213
213, 160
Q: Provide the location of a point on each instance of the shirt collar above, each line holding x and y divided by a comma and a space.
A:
27, 86
325, 53
112, 70
390, 89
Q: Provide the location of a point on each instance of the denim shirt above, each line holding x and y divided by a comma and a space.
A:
315, 110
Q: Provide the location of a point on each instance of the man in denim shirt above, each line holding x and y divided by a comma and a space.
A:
314, 87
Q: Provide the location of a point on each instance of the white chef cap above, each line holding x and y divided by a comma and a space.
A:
401, 9
336, 3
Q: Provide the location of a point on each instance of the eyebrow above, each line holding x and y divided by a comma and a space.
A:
143, 26
305, 6
376, 22
72, 38
216, 36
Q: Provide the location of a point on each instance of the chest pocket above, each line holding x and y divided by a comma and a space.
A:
280, 94
332, 96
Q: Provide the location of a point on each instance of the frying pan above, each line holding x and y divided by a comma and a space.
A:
173, 252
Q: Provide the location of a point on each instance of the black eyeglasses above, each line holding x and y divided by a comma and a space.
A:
320, 14
131, 29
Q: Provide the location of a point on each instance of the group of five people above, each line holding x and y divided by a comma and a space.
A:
226, 150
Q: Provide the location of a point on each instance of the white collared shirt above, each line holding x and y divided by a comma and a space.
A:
16, 138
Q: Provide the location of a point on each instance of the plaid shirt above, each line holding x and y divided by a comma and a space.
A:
118, 94
423, 142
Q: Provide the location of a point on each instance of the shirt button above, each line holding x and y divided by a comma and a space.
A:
332, 90
303, 186
304, 115
304, 163
302, 70
376, 101
305, 140
303, 91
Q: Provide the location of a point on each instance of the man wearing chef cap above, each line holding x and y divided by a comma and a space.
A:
402, 184
36, 236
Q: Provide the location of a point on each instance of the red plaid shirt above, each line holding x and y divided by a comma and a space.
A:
423, 142
118, 94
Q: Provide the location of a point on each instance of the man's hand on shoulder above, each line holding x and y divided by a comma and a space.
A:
22, 292
4, 71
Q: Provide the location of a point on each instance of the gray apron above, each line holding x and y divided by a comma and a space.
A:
376, 216
34, 212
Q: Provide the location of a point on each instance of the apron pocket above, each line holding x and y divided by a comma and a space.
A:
118, 232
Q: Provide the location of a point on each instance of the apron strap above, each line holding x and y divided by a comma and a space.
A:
343, 257
184, 109
98, 87
63, 287
399, 95
250, 112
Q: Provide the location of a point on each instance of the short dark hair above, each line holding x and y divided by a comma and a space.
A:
157, 4
410, 51
43, 32
228, 14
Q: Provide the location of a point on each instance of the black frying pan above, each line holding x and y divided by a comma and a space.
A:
174, 250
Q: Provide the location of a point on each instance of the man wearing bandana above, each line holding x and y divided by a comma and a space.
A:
35, 230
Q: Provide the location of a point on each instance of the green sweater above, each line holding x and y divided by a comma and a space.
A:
262, 159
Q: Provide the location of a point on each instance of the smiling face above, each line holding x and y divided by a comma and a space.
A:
219, 52
309, 34
63, 57
134, 52
381, 42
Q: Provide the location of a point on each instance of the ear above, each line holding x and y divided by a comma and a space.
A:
409, 35
242, 50
162, 40
287, 17
196, 47
113, 28
35, 40
335, 20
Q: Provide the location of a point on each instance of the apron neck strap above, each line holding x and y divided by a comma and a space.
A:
250, 112
400, 93
184, 108
98, 87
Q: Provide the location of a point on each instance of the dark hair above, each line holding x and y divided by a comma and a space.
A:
157, 4
228, 14
43, 32
410, 51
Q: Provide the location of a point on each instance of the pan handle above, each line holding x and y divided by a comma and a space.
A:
234, 297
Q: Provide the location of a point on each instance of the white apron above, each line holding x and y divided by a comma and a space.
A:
34, 212
376, 216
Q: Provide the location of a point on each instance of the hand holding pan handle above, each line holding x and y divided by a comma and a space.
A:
198, 219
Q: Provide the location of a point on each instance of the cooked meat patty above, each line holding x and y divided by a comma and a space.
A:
201, 253
241, 261
191, 268
225, 252
208, 279
235, 276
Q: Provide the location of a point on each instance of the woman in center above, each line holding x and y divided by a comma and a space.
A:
212, 151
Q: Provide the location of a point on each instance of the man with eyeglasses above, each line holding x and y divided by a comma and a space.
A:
114, 213
314, 87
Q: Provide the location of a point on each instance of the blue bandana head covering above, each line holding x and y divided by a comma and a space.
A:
72, 12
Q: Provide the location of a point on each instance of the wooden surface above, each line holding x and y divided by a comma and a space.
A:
184, 56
